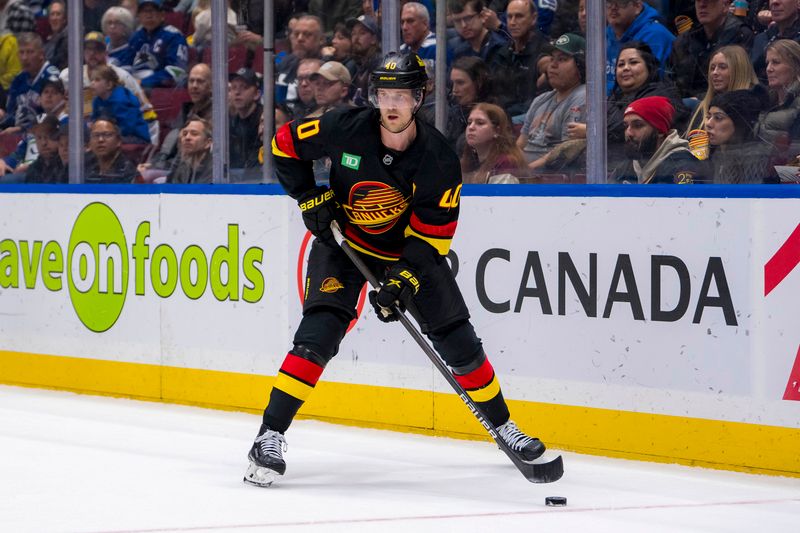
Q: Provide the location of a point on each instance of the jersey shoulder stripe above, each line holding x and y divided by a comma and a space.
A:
283, 143
440, 245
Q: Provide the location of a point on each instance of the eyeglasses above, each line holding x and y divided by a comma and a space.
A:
301, 79
326, 84
464, 20
103, 135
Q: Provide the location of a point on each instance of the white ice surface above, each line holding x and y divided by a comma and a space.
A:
88, 464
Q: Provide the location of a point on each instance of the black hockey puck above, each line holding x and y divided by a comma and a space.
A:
555, 501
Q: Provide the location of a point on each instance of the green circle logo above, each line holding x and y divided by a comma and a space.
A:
97, 267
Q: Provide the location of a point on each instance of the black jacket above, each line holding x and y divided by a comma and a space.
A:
692, 51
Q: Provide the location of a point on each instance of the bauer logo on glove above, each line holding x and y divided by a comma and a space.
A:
319, 209
399, 285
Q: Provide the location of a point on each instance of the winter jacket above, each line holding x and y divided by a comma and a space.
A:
157, 59
672, 163
748, 162
244, 139
780, 125
184, 172
693, 50
122, 170
491, 45
125, 108
646, 28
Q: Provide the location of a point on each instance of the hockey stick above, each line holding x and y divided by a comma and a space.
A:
545, 472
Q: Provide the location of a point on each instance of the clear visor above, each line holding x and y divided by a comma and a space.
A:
395, 98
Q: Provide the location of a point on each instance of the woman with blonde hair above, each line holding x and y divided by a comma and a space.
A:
490, 153
729, 69
779, 125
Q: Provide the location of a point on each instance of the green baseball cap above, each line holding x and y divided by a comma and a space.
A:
571, 43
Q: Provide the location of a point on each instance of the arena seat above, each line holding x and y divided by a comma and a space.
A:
42, 27
179, 20
237, 57
167, 104
8, 143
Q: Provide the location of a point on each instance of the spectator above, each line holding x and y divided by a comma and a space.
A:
519, 75
245, 119
470, 84
582, 17
95, 55
306, 89
332, 12
53, 102
112, 99
202, 28
199, 105
93, 13
655, 151
785, 25
365, 34
490, 154
22, 106
637, 76
9, 63
118, 26
736, 155
415, 29
331, 88
193, 164
55, 49
105, 162
474, 38
306, 42
16, 17
545, 124
48, 167
634, 20
158, 54
780, 123
341, 48
728, 70
693, 49
131, 5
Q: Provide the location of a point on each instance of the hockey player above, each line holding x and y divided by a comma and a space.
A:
395, 190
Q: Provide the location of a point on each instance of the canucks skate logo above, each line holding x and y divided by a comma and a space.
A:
331, 285
375, 207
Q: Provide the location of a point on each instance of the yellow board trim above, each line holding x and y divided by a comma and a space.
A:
642, 436
441, 245
293, 387
486, 393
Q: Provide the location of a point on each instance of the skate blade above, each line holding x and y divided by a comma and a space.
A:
260, 476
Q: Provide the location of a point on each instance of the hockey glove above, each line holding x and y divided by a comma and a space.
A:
399, 285
318, 207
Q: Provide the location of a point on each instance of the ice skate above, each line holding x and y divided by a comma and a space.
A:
529, 448
266, 458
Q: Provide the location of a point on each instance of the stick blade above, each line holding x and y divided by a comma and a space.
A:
543, 472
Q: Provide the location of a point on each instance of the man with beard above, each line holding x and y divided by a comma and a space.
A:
655, 151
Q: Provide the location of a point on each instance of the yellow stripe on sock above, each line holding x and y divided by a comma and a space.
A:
486, 393
293, 387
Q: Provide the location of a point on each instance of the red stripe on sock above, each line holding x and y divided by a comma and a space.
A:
480, 377
302, 369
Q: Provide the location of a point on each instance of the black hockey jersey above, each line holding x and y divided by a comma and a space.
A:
398, 205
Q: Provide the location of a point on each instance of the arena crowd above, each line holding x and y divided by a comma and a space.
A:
698, 91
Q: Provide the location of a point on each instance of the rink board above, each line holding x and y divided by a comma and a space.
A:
659, 328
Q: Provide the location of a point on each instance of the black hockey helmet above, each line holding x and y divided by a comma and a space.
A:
399, 71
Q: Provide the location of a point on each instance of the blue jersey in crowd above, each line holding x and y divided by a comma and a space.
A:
157, 59
22, 106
